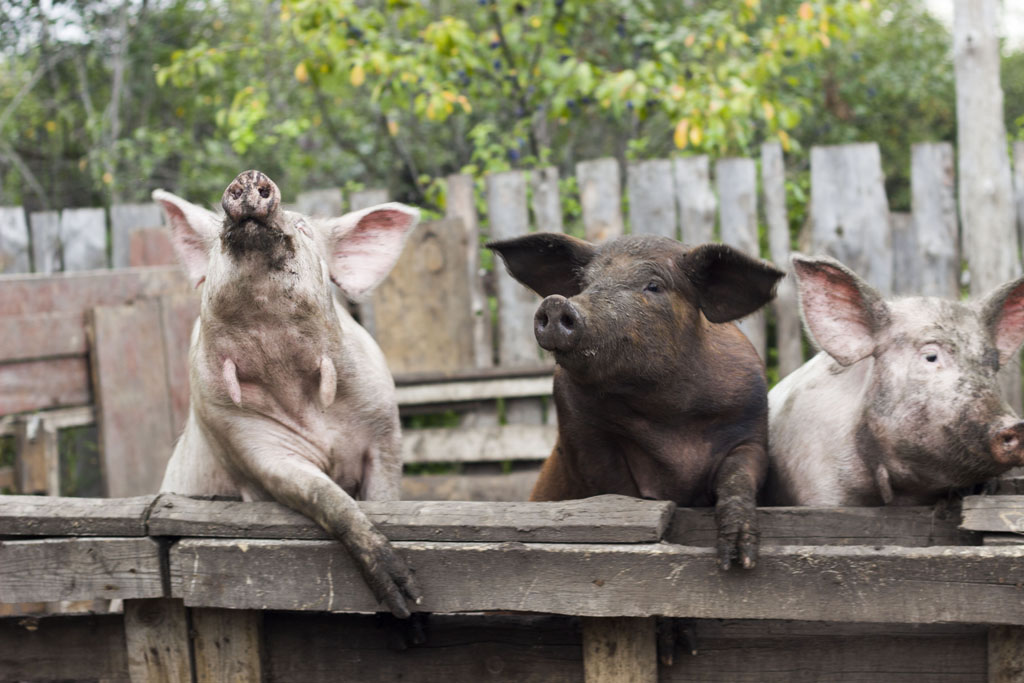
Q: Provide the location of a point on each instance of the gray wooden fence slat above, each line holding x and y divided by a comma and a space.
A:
462, 205
737, 192
92, 648
42, 516
478, 443
849, 211
45, 226
125, 219
906, 257
787, 314
1018, 183
157, 640
83, 239
986, 193
14, 242
227, 645
546, 201
695, 199
933, 201
600, 198
326, 203
620, 650
1000, 514
652, 204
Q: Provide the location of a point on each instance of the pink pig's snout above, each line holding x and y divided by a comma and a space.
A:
1007, 443
251, 195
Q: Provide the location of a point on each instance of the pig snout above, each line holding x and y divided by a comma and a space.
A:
1007, 444
558, 324
251, 195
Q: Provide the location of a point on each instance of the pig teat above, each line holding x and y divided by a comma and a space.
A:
251, 195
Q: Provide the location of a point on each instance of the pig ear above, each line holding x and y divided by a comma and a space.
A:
729, 283
546, 262
362, 247
842, 312
1002, 312
194, 231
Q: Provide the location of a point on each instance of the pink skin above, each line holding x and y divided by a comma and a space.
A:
291, 399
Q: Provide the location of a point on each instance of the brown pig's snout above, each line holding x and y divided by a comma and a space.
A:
1007, 444
251, 195
558, 324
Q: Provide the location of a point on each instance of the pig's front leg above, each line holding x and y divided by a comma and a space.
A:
737, 482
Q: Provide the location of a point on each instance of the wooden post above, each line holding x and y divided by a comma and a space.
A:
906, 258
652, 207
785, 307
547, 203
125, 219
600, 198
45, 227
986, 192
228, 645
619, 650
323, 203
933, 202
1005, 654
83, 239
1018, 183
156, 637
695, 199
737, 192
37, 461
14, 252
462, 205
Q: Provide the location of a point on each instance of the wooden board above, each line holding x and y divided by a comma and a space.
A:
227, 645
1001, 514
473, 390
83, 239
933, 204
652, 203
364, 199
495, 443
420, 314
600, 198
125, 221
546, 203
462, 206
14, 243
157, 640
45, 226
695, 199
1005, 654
129, 372
905, 254
44, 384
607, 519
851, 584
620, 650
47, 516
79, 648
37, 461
511, 487
45, 335
788, 336
78, 292
323, 203
151, 247
55, 569
178, 314
1018, 185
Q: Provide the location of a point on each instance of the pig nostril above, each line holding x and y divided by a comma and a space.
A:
1009, 441
264, 191
566, 321
542, 321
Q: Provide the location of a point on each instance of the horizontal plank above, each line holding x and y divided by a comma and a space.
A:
511, 487
78, 292
79, 648
48, 516
1002, 539
853, 584
475, 374
1001, 514
59, 418
43, 335
903, 526
53, 569
44, 384
478, 444
6, 477
473, 390
603, 519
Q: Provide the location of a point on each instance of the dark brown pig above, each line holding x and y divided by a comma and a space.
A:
902, 404
291, 399
658, 394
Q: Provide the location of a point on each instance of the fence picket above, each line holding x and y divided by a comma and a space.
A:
45, 227
600, 198
546, 204
906, 257
695, 199
83, 239
933, 200
125, 219
14, 251
462, 205
323, 203
787, 314
652, 207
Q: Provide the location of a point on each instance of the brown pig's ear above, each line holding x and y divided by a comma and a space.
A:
1002, 312
546, 262
729, 283
842, 313
194, 231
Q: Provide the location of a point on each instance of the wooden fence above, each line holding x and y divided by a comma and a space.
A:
108, 346
217, 591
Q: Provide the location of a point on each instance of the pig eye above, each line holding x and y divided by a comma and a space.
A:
930, 353
931, 357
652, 287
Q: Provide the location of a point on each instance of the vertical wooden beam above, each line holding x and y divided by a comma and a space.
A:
695, 199
150, 247
906, 257
36, 459
1018, 185
125, 219
83, 239
652, 206
547, 202
986, 192
228, 645
620, 650
462, 205
156, 637
737, 192
785, 307
322, 203
1005, 654
935, 228
600, 198
14, 251
45, 226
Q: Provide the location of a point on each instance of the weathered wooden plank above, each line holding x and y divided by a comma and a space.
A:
849, 211
44, 384
652, 204
129, 372
151, 247
7, 478
45, 227
619, 650
933, 204
157, 640
600, 198
125, 221
546, 203
364, 199
227, 644
603, 519
906, 276
695, 199
317, 648
462, 205
1018, 186
323, 203
473, 390
435, 333
737, 192
1005, 654
14, 243
62, 418
26, 337
495, 443
899, 526
37, 461
787, 314
77, 292
474, 374
50, 516
78, 648
854, 584
55, 569
511, 487
178, 313
1001, 514
83, 239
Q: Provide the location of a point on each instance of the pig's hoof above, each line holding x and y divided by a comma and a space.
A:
390, 579
738, 536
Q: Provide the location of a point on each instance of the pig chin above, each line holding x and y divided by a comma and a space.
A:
250, 236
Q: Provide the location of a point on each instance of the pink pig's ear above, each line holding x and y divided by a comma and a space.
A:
362, 247
842, 312
1002, 311
194, 230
